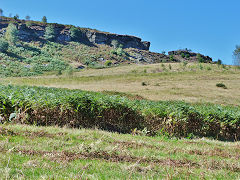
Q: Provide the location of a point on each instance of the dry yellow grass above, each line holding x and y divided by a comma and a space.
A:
191, 83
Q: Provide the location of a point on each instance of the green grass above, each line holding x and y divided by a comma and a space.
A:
190, 83
37, 58
75, 108
32, 152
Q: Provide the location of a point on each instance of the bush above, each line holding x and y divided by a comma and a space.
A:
11, 34
221, 85
200, 58
115, 44
119, 52
169, 66
144, 84
3, 45
183, 55
219, 62
75, 33
171, 58
50, 33
185, 63
108, 63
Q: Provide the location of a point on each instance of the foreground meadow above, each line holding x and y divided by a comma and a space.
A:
30, 152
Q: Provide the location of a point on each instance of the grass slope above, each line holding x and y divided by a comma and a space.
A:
30, 152
36, 58
191, 82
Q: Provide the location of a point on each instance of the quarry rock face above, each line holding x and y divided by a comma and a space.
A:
36, 31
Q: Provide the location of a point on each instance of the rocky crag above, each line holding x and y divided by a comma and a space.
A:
138, 50
35, 31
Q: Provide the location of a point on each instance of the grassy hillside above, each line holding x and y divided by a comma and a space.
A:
192, 82
31, 59
29, 152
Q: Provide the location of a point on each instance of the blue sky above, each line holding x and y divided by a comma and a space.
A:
210, 27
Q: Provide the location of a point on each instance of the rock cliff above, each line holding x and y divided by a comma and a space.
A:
35, 31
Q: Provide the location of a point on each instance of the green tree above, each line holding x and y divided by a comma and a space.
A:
27, 18
236, 56
3, 45
11, 34
49, 33
219, 62
108, 63
200, 58
115, 44
16, 17
44, 19
75, 33
1, 14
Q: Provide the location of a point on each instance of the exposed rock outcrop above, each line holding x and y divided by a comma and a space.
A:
35, 31
142, 56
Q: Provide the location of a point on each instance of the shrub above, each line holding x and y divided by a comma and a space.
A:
183, 55
219, 62
187, 55
144, 84
200, 66
185, 63
49, 33
11, 34
171, 58
209, 68
119, 52
16, 17
108, 63
221, 85
75, 33
170, 66
3, 45
200, 58
115, 44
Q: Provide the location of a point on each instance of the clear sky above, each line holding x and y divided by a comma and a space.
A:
210, 27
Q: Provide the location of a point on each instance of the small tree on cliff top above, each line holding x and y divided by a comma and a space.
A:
44, 19
236, 56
